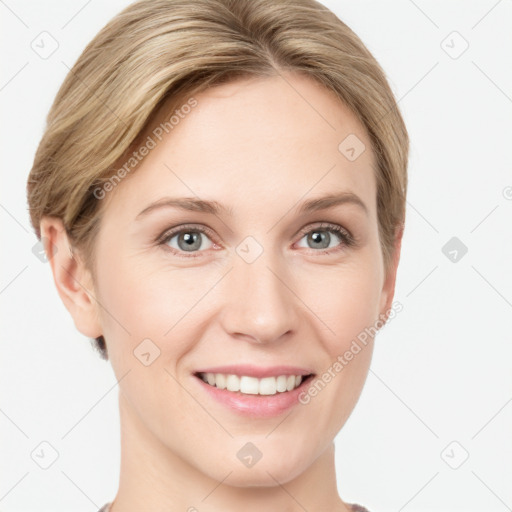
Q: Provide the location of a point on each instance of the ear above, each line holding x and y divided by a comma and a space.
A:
73, 280
388, 289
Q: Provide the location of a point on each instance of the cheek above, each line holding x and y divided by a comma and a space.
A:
345, 300
348, 305
146, 301
147, 319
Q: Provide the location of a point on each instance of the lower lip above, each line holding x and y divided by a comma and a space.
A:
255, 406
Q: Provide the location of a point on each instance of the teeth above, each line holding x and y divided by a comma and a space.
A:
252, 385
233, 383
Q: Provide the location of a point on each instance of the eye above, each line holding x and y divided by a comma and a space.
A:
321, 238
187, 239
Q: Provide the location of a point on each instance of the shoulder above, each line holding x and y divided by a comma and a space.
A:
358, 508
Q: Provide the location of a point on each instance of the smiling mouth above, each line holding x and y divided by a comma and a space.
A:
247, 385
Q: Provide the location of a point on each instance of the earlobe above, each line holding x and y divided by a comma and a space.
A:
72, 279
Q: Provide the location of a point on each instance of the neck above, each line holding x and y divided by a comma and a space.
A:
152, 477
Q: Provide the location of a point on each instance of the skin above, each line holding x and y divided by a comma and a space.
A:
260, 147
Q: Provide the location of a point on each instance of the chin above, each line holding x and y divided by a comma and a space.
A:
273, 467
265, 476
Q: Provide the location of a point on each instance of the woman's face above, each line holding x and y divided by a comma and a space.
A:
261, 282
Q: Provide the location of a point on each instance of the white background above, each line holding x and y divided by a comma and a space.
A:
442, 369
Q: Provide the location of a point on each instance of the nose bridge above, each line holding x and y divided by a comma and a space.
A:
259, 304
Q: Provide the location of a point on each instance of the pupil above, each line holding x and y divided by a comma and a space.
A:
321, 237
192, 241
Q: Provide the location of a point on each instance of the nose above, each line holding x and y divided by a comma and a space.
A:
260, 305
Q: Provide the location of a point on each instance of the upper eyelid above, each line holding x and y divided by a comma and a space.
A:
171, 232
323, 225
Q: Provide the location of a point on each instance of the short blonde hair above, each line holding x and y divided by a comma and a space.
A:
157, 51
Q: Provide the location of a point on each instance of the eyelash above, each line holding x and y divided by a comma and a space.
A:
347, 240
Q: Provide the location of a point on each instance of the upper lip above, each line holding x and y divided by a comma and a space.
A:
256, 371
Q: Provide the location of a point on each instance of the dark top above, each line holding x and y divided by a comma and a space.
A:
355, 508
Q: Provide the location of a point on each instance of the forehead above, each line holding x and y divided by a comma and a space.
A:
286, 135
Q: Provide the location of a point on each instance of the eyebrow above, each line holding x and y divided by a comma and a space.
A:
190, 204
330, 201
213, 207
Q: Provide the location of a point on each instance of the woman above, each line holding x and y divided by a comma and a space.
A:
221, 193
